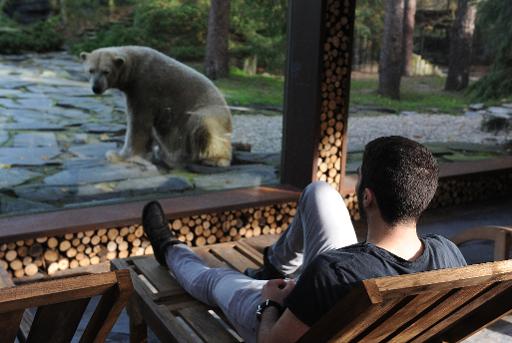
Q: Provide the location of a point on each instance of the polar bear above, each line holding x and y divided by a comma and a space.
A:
168, 104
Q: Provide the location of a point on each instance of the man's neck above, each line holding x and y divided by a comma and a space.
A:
400, 239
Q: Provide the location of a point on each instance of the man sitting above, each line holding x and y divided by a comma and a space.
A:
317, 259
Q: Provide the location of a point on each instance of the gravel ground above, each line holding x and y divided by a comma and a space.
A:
264, 132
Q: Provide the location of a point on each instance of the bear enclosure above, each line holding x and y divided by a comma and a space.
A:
314, 147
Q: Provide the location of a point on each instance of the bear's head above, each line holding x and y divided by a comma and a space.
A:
104, 67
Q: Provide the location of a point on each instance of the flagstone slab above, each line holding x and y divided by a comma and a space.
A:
33, 126
243, 157
4, 136
78, 163
95, 150
15, 176
33, 117
104, 128
155, 184
14, 84
474, 147
57, 91
9, 93
98, 175
71, 113
500, 111
40, 103
35, 139
15, 205
29, 156
248, 176
476, 107
8, 103
86, 104
44, 193
111, 191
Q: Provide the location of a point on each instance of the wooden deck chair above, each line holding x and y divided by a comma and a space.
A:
500, 235
60, 305
436, 306
445, 305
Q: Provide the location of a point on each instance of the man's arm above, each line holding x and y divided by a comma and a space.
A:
287, 328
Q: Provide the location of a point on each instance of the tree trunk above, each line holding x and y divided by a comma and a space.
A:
390, 61
409, 21
63, 11
461, 46
217, 56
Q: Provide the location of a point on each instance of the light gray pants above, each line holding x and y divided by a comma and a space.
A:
322, 223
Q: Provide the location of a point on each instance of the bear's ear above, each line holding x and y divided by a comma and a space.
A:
84, 55
119, 61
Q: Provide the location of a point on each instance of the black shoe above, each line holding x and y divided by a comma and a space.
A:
266, 272
156, 227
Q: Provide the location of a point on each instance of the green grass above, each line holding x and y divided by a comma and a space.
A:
420, 94
243, 90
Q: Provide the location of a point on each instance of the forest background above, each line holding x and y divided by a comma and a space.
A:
255, 39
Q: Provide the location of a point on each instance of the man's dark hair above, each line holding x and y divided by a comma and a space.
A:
403, 176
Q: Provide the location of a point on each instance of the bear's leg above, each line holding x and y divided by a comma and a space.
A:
138, 137
209, 141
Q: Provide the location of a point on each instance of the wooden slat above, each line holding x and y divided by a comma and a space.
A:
485, 315
403, 316
348, 324
211, 260
260, 242
204, 325
441, 311
9, 324
159, 276
374, 315
442, 279
248, 251
467, 308
233, 258
57, 323
138, 326
109, 307
53, 291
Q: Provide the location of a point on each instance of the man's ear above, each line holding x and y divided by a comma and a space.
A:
83, 56
368, 197
119, 61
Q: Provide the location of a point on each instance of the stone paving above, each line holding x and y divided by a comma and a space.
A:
54, 134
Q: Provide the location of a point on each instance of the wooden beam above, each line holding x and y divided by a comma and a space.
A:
302, 92
91, 218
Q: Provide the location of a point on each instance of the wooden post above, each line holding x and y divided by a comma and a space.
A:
317, 91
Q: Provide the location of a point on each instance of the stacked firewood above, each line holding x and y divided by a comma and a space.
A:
334, 90
52, 254
457, 190
471, 188
352, 206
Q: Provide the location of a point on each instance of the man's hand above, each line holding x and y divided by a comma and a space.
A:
277, 290
273, 328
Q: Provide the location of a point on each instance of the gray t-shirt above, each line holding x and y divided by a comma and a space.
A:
330, 275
